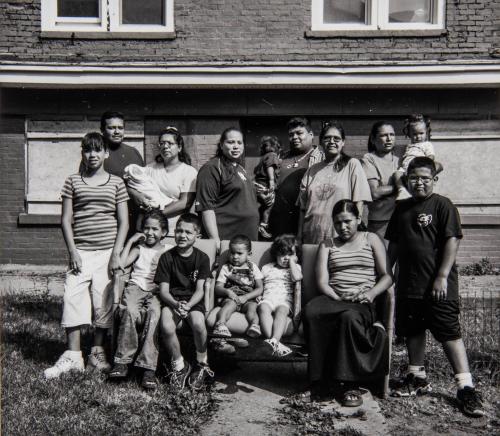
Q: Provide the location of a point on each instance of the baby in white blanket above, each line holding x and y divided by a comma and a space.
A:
138, 179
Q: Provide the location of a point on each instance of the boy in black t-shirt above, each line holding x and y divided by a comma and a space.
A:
424, 234
181, 273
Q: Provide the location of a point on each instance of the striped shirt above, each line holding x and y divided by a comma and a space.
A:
350, 270
94, 211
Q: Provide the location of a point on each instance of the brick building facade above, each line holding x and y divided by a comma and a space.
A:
251, 64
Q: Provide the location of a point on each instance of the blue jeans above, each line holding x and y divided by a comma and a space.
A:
138, 308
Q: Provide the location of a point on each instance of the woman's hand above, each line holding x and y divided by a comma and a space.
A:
144, 201
75, 262
114, 265
363, 296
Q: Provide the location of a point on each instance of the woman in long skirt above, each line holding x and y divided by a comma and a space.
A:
346, 343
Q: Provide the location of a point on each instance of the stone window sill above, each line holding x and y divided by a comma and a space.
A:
106, 35
422, 33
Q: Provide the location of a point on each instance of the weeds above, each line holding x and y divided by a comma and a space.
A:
482, 268
83, 404
309, 419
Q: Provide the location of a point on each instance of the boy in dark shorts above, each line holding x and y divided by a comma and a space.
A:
181, 274
424, 234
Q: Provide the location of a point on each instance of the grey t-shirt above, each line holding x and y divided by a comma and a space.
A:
381, 170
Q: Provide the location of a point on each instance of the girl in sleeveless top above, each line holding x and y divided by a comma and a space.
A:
347, 346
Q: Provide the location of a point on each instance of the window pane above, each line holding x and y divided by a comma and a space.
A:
410, 11
78, 8
143, 12
344, 11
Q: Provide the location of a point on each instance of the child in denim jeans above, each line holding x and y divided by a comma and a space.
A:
140, 295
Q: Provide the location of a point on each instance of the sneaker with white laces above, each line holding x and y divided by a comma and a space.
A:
201, 376
97, 360
411, 386
178, 378
220, 329
64, 364
470, 402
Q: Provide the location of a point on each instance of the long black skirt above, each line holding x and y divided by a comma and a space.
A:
343, 343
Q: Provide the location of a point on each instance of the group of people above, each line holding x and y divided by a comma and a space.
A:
308, 195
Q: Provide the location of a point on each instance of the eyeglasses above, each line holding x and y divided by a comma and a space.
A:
426, 180
336, 139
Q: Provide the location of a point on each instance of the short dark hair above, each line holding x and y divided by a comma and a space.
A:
273, 141
416, 119
157, 215
190, 218
284, 244
110, 114
422, 162
299, 122
94, 141
241, 239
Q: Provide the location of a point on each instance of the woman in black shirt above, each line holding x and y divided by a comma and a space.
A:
224, 191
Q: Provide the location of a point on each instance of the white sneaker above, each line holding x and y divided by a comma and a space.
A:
97, 360
65, 363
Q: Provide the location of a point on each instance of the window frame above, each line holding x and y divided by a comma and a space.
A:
107, 23
377, 13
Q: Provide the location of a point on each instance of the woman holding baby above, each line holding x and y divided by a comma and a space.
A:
173, 174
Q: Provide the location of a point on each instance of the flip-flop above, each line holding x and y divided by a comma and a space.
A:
352, 398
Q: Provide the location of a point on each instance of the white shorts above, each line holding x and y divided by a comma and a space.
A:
89, 292
276, 301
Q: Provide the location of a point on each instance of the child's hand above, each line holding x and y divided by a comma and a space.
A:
294, 259
75, 262
440, 289
182, 310
231, 294
137, 237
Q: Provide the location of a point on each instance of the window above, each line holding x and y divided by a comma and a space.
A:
116, 16
333, 15
53, 152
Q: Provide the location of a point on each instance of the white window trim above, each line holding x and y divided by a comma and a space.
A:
377, 13
108, 20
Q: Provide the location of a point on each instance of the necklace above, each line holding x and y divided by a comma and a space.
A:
296, 161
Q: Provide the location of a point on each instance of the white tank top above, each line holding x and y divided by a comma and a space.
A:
144, 268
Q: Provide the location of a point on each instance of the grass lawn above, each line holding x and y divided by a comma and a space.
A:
78, 404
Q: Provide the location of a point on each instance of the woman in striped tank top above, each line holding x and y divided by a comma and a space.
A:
347, 346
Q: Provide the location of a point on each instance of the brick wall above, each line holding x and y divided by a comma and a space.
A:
21, 245
201, 116
250, 31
